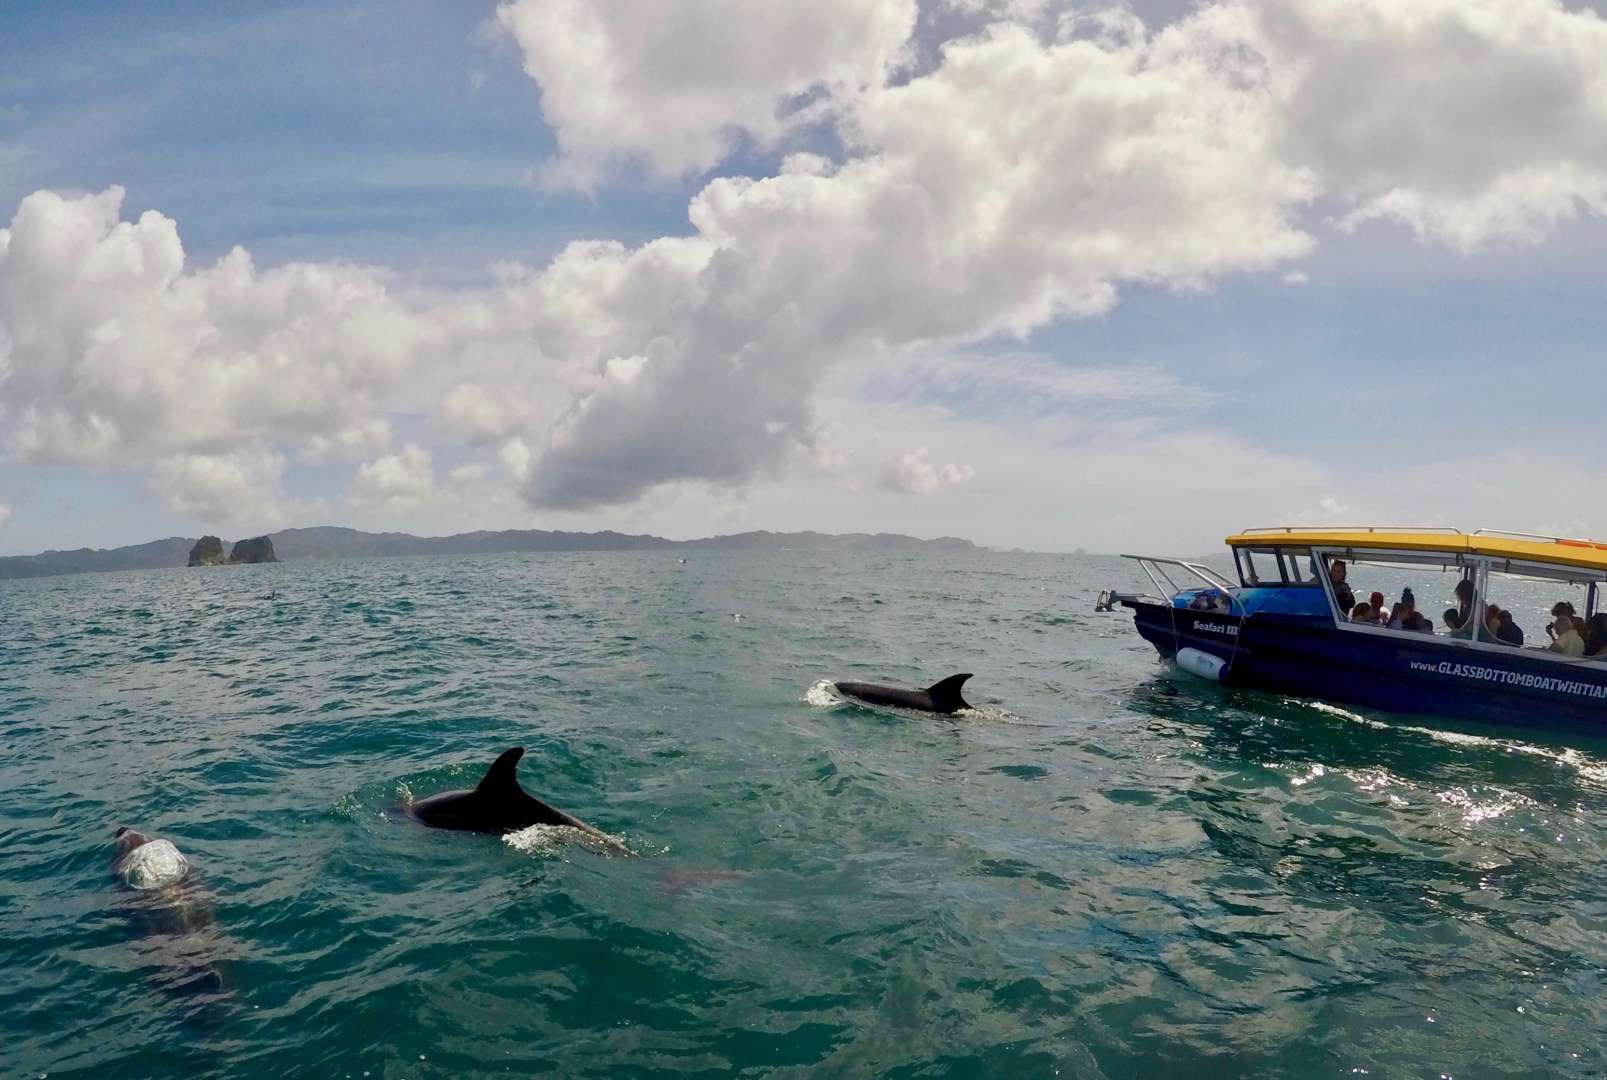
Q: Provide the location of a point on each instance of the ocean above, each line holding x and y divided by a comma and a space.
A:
1106, 870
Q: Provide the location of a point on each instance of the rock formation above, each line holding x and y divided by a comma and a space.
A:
208, 551
257, 549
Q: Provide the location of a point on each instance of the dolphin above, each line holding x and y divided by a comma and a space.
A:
941, 697
144, 862
498, 805
170, 914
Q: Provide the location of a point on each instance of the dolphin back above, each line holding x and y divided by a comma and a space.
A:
502, 778
945, 694
499, 790
940, 697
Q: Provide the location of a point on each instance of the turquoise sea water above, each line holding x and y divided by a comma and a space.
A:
1107, 871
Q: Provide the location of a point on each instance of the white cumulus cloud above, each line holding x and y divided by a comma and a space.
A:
401, 481
466, 475
1138, 162
674, 88
479, 413
235, 486
915, 473
1470, 121
117, 351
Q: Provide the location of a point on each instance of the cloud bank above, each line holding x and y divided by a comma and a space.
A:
1028, 173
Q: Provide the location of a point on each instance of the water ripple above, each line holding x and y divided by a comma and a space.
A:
1104, 870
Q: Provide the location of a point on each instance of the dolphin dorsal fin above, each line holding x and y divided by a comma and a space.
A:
945, 693
503, 775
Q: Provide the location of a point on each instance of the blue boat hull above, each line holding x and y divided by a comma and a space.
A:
1310, 657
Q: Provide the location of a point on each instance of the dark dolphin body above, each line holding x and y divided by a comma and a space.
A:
497, 805
940, 697
172, 925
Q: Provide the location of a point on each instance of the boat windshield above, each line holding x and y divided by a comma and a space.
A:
1276, 567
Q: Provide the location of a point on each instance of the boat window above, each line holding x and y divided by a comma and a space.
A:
1401, 593
1477, 602
1260, 567
1547, 609
1275, 567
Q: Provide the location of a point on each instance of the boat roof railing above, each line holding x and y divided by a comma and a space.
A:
1567, 541
1533, 548
1444, 530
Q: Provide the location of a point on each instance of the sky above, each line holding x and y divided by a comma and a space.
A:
1041, 274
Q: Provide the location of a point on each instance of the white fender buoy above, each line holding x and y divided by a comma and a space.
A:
1203, 664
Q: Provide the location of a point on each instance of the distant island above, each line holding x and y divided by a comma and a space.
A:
208, 551
333, 542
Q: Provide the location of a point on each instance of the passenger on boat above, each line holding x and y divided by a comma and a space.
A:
1506, 631
1561, 609
1342, 593
1565, 637
1464, 601
1454, 622
1400, 616
1362, 613
1596, 635
1491, 631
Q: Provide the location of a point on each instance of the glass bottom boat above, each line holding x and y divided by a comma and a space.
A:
1301, 620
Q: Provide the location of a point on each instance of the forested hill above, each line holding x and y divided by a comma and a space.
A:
333, 542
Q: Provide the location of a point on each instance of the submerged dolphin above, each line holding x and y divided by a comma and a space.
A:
147, 863
170, 914
940, 697
498, 805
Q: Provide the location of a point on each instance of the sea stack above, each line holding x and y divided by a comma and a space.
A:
208, 551
257, 549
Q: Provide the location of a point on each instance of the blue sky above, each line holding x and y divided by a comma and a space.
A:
1349, 353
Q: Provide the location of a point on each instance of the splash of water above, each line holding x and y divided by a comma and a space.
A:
154, 865
549, 841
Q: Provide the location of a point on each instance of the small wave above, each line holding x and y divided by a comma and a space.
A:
1571, 758
1344, 714
1474, 810
547, 841
1316, 772
822, 695
1595, 771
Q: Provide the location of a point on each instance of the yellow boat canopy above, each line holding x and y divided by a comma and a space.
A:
1589, 554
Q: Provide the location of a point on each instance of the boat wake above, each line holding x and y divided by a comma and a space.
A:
1570, 758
